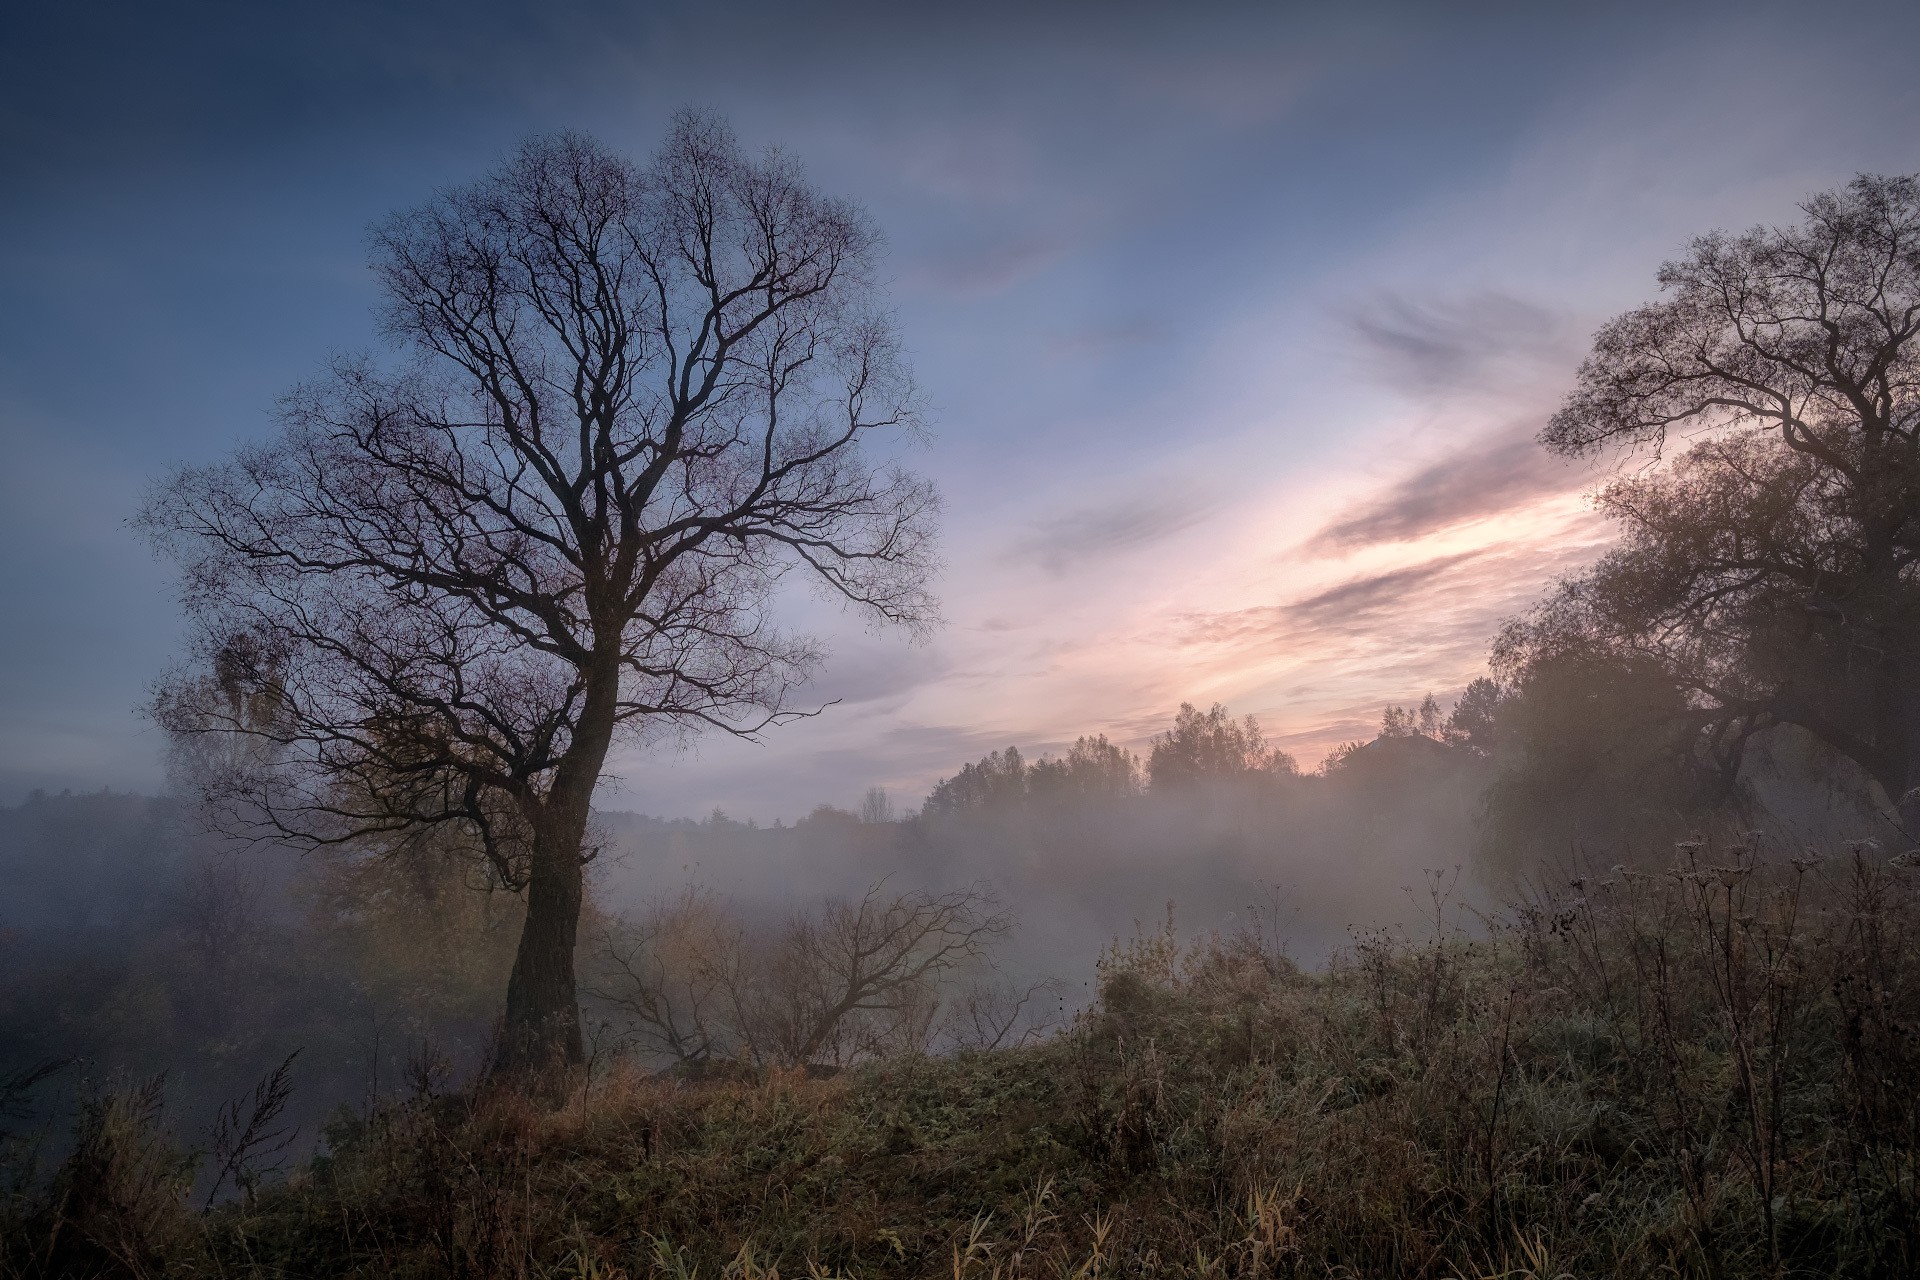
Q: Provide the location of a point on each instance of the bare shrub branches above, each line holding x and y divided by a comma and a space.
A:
244, 1132
851, 981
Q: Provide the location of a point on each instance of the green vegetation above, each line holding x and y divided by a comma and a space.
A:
1704, 1070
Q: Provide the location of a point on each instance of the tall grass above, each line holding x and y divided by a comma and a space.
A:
1708, 1069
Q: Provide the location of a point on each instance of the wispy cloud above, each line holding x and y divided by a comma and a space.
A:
1488, 475
984, 269
1357, 606
1427, 348
1124, 523
1101, 340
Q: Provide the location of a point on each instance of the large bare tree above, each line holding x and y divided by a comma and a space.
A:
633, 400
1769, 569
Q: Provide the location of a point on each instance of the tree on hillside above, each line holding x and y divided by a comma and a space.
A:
634, 402
1421, 722
1769, 569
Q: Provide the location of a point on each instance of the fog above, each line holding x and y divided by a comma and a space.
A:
487, 495
137, 941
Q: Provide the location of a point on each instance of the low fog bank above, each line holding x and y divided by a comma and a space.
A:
136, 942
1309, 856
1423, 819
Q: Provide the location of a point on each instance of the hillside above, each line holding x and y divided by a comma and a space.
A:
1693, 1072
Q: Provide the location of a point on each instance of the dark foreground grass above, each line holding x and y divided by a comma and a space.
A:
1708, 1070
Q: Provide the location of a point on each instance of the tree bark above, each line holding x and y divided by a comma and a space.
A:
540, 1034
1906, 801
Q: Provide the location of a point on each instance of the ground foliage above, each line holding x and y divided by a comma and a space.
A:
1701, 1070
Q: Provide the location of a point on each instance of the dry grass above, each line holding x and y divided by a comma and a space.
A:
1702, 1070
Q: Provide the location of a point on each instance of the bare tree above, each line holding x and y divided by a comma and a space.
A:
1769, 569
997, 1012
636, 401
861, 973
220, 910
849, 981
877, 807
671, 975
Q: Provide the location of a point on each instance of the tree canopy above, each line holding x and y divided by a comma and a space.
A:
1767, 570
632, 400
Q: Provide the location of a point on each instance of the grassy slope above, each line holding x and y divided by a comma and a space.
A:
1698, 1074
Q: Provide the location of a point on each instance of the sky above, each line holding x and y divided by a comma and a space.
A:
1236, 321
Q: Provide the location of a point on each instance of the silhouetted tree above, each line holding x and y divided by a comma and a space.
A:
876, 807
1093, 769
1210, 744
1474, 722
635, 402
1592, 753
1768, 571
1423, 721
998, 779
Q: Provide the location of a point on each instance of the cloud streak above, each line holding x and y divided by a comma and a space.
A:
1127, 523
1490, 475
1436, 347
1355, 607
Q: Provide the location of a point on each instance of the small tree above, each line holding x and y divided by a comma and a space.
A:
876, 808
1769, 570
636, 400
849, 981
860, 976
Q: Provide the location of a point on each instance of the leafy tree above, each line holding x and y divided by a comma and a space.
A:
1474, 722
999, 779
1767, 571
634, 401
1211, 745
1093, 769
1589, 753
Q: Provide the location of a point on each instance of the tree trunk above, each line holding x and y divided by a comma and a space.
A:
540, 1035
540, 1042
1900, 703
1906, 801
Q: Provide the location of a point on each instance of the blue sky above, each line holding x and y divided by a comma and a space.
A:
1236, 320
